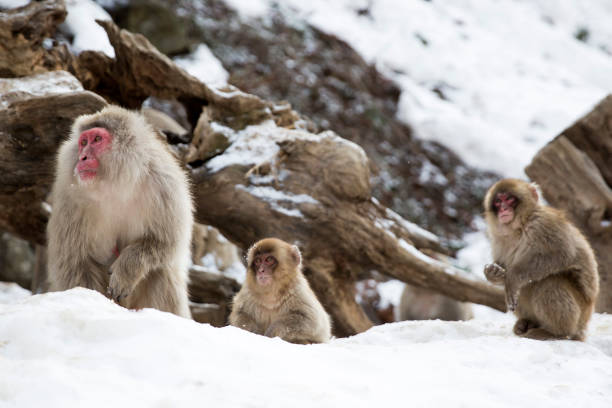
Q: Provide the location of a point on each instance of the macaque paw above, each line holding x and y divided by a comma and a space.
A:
118, 288
495, 273
271, 332
522, 326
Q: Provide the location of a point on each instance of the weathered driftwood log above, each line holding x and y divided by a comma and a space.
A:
267, 177
211, 295
26, 39
574, 172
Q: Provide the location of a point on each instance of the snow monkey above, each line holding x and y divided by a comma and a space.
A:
122, 214
546, 265
276, 299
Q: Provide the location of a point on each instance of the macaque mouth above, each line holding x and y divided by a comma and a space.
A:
263, 277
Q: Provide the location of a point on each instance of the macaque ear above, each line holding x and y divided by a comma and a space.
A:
295, 254
533, 189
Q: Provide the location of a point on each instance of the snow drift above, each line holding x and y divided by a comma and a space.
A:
77, 348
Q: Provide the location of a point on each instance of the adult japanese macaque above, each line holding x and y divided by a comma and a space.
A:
276, 300
122, 214
546, 265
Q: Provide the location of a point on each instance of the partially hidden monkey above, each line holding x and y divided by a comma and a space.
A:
276, 300
546, 265
122, 214
424, 304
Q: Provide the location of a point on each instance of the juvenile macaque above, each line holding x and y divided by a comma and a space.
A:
122, 214
546, 265
276, 300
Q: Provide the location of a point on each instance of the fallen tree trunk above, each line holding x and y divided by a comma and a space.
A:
574, 172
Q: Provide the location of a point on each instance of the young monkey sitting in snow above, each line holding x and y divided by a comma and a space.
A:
276, 300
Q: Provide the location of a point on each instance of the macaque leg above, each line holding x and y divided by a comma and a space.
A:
523, 325
556, 308
161, 291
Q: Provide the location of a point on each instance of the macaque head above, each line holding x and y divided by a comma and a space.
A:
93, 143
108, 145
508, 198
271, 257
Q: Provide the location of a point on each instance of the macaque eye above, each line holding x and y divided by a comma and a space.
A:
497, 202
257, 261
97, 138
83, 142
269, 260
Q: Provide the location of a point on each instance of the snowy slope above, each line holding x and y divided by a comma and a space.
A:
511, 72
78, 349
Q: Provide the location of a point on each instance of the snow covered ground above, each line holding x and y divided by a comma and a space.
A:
78, 349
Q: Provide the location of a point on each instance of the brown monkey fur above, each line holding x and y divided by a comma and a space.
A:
546, 265
127, 231
286, 306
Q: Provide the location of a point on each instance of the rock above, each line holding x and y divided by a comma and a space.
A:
574, 172
16, 260
26, 35
36, 113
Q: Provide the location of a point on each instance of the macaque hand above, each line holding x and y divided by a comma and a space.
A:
121, 282
273, 330
495, 273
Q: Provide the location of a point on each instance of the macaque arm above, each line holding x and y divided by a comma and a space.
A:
291, 327
135, 261
245, 321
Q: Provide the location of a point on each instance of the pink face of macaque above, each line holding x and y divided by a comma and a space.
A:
92, 143
505, 203
264, 265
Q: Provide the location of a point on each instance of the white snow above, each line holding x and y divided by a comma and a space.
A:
276, 198
512, 74
81, 23
77, 348
203, 65
11, 292
255, 145
211, 263
9, 4
47, 83
477, 251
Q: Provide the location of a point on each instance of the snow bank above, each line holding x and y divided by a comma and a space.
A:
12, 292
203, 65
81, 23
77, 348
